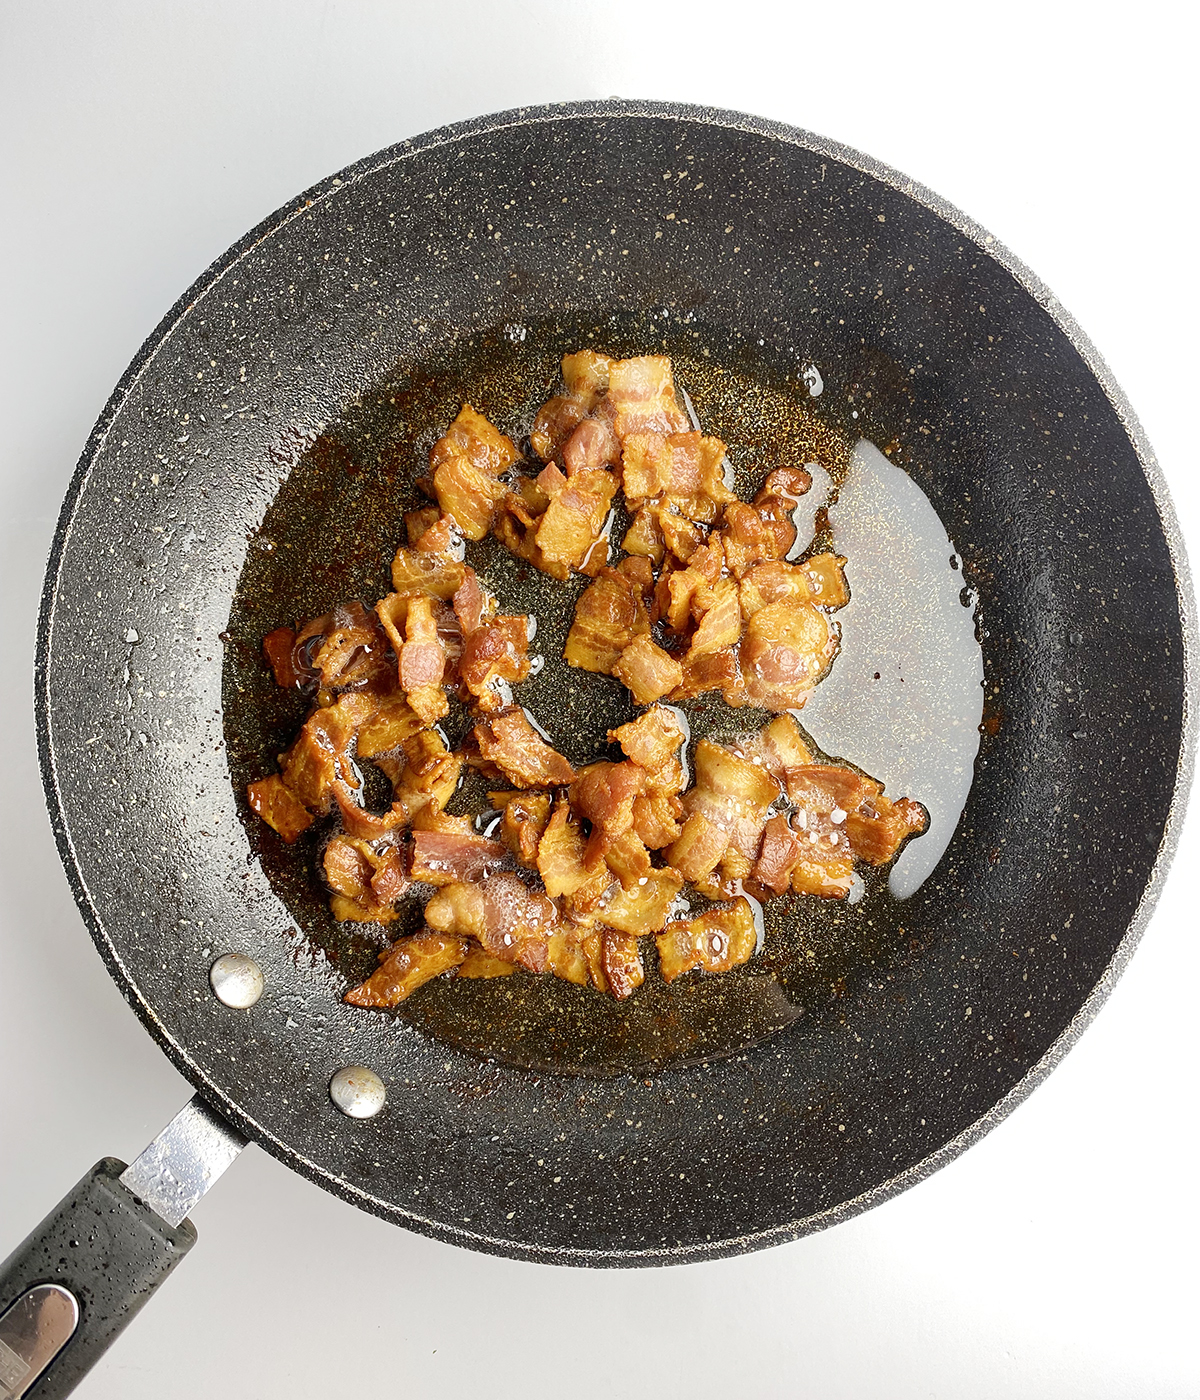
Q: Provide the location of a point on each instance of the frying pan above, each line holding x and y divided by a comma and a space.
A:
252, 463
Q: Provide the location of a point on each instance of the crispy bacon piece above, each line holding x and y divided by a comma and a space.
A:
786, 649
468, 495
622, 963
644, 538
603, 794
374, 877
719, 616
423, 662
417, 522
320, 754
497, 650
586, 375
778, 856
525, 817
575, 515
648, 670
408, 964
719, 939
479, 963
656, 820
447, 858
686, 468
556, 420
472, 606
642, 908
279, 807
728, 791
652, 739
388, 727
641, 392
473, 437
565, 954
591, 447
511, 921
716, 670
878, 827
609, 614
629, 859
560, 852
510, 745
352, 650
827, 580
415, 571
680, 536
750, 536
773, 582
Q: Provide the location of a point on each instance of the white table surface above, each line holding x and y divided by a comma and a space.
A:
1055, 1259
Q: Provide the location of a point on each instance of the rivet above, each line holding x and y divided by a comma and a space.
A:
237, 980
357, 1091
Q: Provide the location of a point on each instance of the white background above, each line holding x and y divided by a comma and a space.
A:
137, 141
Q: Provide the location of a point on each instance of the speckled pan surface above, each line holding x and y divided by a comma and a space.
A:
781, 248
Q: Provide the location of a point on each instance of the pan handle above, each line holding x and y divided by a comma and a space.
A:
70, 1289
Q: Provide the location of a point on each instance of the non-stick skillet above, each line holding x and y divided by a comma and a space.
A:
245, 468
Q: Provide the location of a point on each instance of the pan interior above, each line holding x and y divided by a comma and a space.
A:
329, 536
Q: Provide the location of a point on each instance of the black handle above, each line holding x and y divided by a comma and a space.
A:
110, 1251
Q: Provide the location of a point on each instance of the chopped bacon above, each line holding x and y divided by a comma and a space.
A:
279, 807
414, 571
586, 375
642, 394
728, 791
352, 649
479, 963
556, 420
446, 859
656, 820
773, 582
827, 580
473, 437
642, 908
525, 817
680, 536
628, 859
565, 955
575, 515
392, 723
468, 495
717, 940
408, 964
593, 446
509, 744
750, 539
720, 618
651, 739
495, 651
320, 754
423, 661
879, 827
560, 853
603, 794
717, 670
622, 963
648, 670
417, 522
644, 537
442, 537
786, 649
501, 912
471, 604
609, 614
781, 850
373, 876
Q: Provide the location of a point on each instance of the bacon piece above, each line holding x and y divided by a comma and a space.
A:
473, 437
716, 670
525, 817
827, 580
408, 964
644, 538
443, 537
609, 614
593, 446
777, 747
641, 392
392, 723
642, 908
716, 941
728, 791
511, 921
680, 536
603, 794
789, 483
479, 963
648, 670
279, 807
586, 375
655, 819
516, 529
628, 859
773, 582
468, 495
472, 606
786, 649
417, 522
320, 754
778, 856
447, 859
575, 515
352, 649
622, 963
720, 618
565, 955
423, 662
651, 739
749, 539
277, 648
375, 877
414, 571
496, 651
556, 420
879, 827
507, 742
560, 853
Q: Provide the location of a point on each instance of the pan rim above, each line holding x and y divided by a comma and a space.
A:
989, 247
